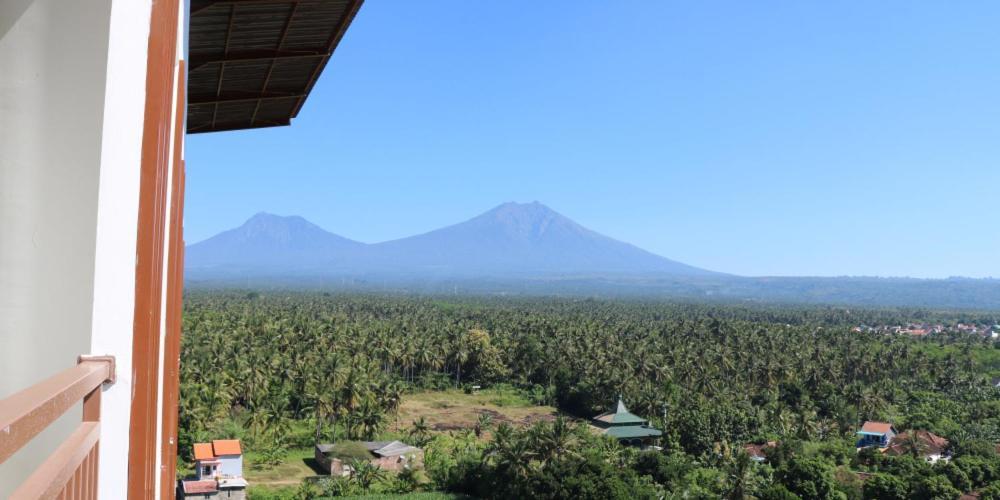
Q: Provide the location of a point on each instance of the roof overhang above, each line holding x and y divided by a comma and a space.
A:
252, 63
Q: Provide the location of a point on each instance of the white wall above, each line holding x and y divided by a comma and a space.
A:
231, 465
53, 60
117, 226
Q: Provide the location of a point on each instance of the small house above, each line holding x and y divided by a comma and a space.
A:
386, 455
758, 452
629, 429
198, 489
218, 471
930, 446
877, 434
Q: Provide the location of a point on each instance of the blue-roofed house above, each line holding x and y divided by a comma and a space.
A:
876, 434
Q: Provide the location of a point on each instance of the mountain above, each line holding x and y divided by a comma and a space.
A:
523, 240
269, 243
519, 239
526, 249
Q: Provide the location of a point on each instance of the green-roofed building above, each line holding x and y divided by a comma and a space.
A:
627, 427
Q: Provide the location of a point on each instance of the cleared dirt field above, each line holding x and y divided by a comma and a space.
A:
455, 410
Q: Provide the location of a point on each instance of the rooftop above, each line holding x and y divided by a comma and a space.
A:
932, 443
227, 447
252, 63
203, 451
196, 487
875, 428
391, 448
632, 431
757, 451
621, 415
377, 448
217, 448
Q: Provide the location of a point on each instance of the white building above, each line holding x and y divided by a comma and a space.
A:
96, 98
218, 470
220, 458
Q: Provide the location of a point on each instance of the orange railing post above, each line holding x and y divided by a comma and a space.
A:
71, 471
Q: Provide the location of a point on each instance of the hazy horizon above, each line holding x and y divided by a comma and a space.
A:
767, 140
535, 202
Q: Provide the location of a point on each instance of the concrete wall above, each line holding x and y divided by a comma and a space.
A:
231, 465
53, 63
117, 226
400, 462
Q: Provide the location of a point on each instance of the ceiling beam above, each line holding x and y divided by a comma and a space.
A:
255, 55
268, 96
198, 6
270, 69
331, 44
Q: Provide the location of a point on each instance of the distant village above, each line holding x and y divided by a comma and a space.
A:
925, 329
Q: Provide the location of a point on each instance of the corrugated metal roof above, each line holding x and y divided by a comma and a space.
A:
252, 63
621, 415
632, 431
395, 449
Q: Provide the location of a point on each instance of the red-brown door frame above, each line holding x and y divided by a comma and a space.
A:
175, 297
161, 65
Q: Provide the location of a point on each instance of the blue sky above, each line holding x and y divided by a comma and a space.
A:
757, 138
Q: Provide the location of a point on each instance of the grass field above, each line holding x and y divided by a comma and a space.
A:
453, 409
442, 410
297, 465
410, 496
288, 492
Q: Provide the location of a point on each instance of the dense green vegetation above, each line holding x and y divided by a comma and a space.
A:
280, 370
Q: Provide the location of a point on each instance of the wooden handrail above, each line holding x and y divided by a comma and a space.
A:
71, 468
26, 413
71, 471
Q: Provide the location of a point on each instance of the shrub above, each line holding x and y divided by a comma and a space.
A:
936, 488
809, 478
885, 487
350, 450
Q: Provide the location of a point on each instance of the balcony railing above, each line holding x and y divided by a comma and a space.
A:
71, 471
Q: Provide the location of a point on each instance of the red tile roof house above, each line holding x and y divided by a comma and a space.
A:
199, 489
932, 446
757, 452
876, 434
218, 471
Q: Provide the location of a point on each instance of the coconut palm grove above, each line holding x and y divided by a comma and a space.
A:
747, 400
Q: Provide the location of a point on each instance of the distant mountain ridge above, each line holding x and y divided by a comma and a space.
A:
526, 249
513, 239
271, 242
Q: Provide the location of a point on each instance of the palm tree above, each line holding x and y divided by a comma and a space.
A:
365, 473
461, 356
502, 438
912, 444
366, 420
515, 458
554, 440
740, 474
420, 431
483, 423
